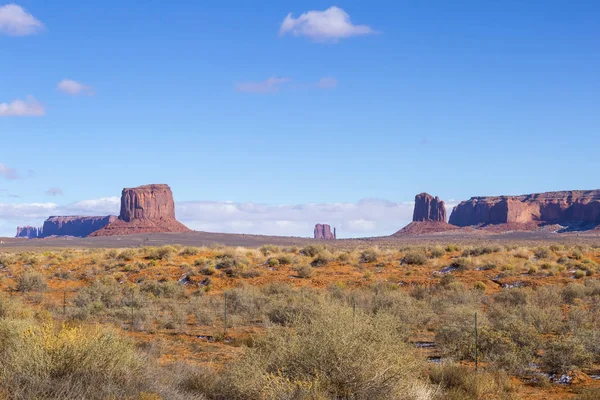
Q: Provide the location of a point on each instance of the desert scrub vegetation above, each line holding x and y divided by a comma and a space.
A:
535, 318
370, 361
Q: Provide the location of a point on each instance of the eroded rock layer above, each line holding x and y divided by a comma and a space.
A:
566, 208
429, 208
77, 226
29, 232
323, 231
145, 209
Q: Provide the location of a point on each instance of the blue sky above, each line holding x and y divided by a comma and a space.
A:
226, 104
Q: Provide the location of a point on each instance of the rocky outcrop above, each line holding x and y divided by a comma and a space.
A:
77, 226
29, 232
429, 208
145, 209
429, 217
566, 208
323, 231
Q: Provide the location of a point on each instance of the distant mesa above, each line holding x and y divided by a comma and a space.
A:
577, 209
76, 226
145, 209
429, 216
323, 232
29, 232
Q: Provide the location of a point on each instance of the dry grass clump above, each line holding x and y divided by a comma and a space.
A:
31, 281
41, 361
462, 383
414, 258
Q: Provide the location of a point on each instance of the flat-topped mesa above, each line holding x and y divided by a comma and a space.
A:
429, 208
145, 209
147, 202
29, 232
77, 226
323, 231
568, 208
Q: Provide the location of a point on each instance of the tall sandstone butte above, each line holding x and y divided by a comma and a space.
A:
567, 208
29, 232
429, 208
74, 225
429, 216
145, 209
323, 231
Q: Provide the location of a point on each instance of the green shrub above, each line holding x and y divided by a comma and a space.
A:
311, 250
127, 255
305, 271
189, 251
320, 260
368, 256
414, 258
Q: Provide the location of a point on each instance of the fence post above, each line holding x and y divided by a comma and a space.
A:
476, 346
224, 315
65, 302
131, 305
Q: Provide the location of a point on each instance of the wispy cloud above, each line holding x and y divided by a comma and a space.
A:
327, 82
270, 85
323, 26
54, 191
8, 173
29, 107
16, 21
276, 84
74, 88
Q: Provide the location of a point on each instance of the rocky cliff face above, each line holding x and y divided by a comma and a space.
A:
567, 208
74, 225
429, 208
29, 232
323, 231
145, 209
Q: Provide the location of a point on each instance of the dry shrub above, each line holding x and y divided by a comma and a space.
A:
69, 362
414, 258
462, 383
329, 355
31, 282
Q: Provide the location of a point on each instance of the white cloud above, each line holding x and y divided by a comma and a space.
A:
271, 85
275, 84
29, 107
54, 191
323, 26
8, 173
16, 21
369, 217
74, 88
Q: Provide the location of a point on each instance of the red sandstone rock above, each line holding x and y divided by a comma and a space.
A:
29, 232
323, 231
145, 209
74, 225
567, 208
429, 208
425, 227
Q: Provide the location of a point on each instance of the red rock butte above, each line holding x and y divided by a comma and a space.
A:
145, 209
323, 232
429, 216
568, 208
